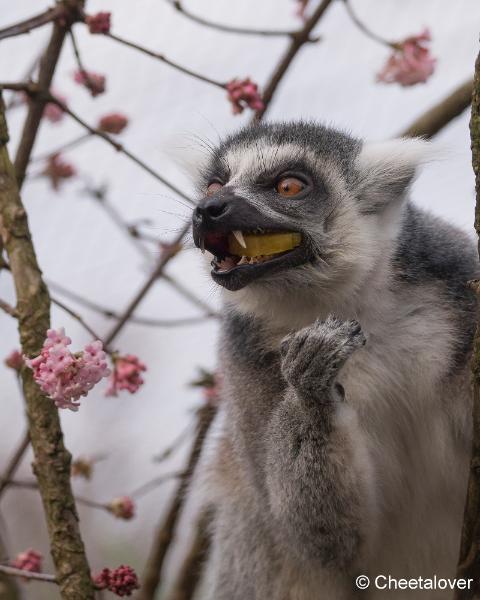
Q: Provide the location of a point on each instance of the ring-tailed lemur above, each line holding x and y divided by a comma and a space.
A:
334, 458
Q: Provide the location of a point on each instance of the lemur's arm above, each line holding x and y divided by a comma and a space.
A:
318, 473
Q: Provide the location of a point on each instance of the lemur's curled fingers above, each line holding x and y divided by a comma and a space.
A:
312, 357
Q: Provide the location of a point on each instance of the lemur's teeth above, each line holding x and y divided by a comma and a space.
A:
239, 237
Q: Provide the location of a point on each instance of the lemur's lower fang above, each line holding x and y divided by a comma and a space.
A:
342, 443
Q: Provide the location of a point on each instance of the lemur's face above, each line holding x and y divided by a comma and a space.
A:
265, 203
291, 204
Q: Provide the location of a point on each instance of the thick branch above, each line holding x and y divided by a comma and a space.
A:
166, 530
301, 38
51, 459
469, 559
440, 115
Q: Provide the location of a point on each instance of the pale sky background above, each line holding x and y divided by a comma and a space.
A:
333, 81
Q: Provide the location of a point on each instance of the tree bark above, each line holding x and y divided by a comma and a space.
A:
51, 459
469, 560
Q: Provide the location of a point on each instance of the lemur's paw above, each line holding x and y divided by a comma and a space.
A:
312, 357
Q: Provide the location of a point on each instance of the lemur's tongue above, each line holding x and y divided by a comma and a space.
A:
263, 244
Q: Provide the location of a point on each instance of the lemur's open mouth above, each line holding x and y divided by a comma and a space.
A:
241, 256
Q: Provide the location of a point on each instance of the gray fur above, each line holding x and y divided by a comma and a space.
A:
311, 485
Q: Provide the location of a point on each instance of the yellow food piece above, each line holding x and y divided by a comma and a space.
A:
264, 244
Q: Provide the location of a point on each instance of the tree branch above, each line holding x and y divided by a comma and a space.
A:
33, 22
301, 38
52, 460
440, 115
14, 462
166, 530
165, 60
469, 559
47, 67
29, 574
229, 28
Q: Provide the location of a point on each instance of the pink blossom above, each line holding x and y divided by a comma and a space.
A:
29, 560
52, 112
14, 360
121, 581
122, 507
99, 22
94, 82
64, 376
242, 94
126, 374
410, 63
113, 123
57, 170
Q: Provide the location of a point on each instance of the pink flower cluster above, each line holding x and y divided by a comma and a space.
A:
99, 22
113, 123
64, 376
410, 63
14, 360
29, 560
244, 94
122, 507
57, 170
126, 374
122, 581
94, 82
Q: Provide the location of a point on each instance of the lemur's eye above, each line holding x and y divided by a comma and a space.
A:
213, 188
290, 186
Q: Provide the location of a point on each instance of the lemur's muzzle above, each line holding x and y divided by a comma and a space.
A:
245, 243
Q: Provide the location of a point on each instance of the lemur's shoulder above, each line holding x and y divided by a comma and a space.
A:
431, 250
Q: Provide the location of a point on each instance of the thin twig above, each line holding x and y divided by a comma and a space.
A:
363, 28
153, 484
8, 308
230, 28
189, 295
301, 38
28, 574
67, 146
89, 83
31, 23
175, 445
78, 318
139, 296
165, 60
118, 147
14, 462
111, 314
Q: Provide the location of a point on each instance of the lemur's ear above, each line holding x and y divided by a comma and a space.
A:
386, 169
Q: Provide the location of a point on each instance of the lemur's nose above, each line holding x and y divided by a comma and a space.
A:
211, 209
